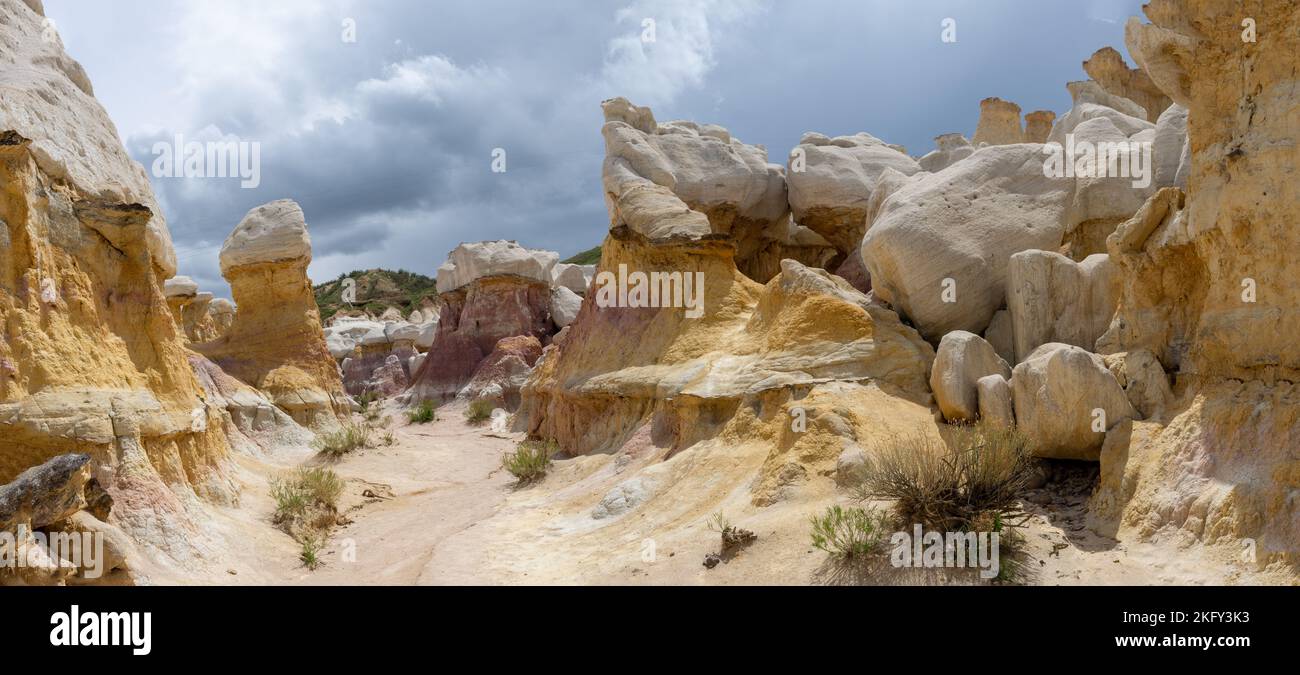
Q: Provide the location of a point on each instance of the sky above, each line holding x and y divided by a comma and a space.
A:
381, 117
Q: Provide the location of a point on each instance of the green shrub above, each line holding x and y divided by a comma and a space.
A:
423, 413
305, 491
290, 502
350, 438
530, 460
310, 555
322, 486
949, 490
849, 533
479, 411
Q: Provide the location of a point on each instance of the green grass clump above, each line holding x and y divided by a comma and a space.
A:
350, 438
423, 413
479, 412
306, 507
530, 460
849, 533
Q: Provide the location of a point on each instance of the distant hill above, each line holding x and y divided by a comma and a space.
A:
588, 257
377, 290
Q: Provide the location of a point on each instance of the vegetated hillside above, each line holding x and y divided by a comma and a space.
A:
588, 257
377, 290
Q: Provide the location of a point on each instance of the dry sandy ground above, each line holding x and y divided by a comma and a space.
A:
436, 508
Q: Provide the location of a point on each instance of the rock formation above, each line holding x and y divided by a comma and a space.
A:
949, 149
961, 361
501, 376
276, 343
832, 181
92, 361
995, 403
1051, 298
576, 278
56, 497
1087, 91
488, 291
1207, 286
1107, 67
999, 123
375, 357
754, 356
938, 250
222, 313
720, 185
191, 309
1066, 400
1038, 125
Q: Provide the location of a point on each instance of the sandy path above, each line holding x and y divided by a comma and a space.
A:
435, 481
435, 508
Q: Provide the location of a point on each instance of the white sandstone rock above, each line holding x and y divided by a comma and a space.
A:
477, 260
576, 278
268, 233
832, 192
995, 401
564, 306
401, 331
1170, 149
428, 331
46, 97
949, 149
938, 250
1000, 335
1065, 400
1053, 299
959, 363
180, 287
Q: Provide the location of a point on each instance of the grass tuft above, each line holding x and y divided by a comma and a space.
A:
350, 438
956, 489
423, 413
530, 460
850, 533
479, 411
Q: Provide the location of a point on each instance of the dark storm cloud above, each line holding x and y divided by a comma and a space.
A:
387, 142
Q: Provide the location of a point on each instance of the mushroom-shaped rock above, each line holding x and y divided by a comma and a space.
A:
1038, 125
276, 342
477, 260
999, 123
274, 232
177, 287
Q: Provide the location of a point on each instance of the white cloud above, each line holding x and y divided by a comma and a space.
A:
431, 78
681, 54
